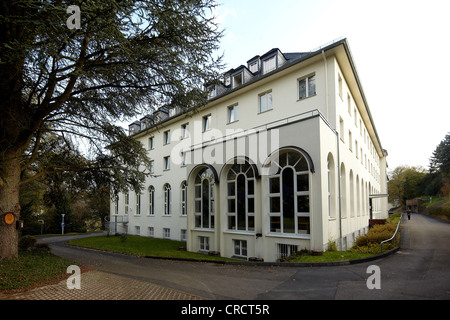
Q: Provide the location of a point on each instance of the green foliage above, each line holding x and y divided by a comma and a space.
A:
123, 237
407, 183
440, 159
61, 86
27, 242
376, 234
142, 246
305, 256
31, 268
440, 210
370, 242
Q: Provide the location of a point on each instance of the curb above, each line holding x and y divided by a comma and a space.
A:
283, 264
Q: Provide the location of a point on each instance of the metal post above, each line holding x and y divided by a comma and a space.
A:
62, 223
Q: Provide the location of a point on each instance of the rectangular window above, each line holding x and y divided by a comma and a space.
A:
233, 113
285, 250
151, 232
167, 163
204, 243
349, 104
138, 230
166, 233
127, 202
138, 203
183, 159
183, 234
166, 137
307, 87
152, 166
350, 146
150, 143
206, 123
116, 206
185, 131
265, 101
240, 248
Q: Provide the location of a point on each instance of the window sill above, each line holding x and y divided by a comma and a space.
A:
291, 236
306, 98
202, 229
261, 112
240, 232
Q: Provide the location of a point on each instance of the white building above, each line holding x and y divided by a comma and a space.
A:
282, 158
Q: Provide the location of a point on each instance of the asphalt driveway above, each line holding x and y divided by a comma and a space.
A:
419, 270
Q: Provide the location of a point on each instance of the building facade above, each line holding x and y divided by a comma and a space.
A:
285, 156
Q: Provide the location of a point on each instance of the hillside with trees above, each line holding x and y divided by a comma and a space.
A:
407, 182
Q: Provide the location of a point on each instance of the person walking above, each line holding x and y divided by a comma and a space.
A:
409, 214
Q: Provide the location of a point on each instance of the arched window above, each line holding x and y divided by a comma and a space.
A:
343, 183
183, 198
204, 199
151, 201
241, 197
138, 203
331, 187
167, 199
289, 194
352, 197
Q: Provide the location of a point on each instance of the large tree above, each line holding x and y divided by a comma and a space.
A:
127, 56
440, 159
405, 183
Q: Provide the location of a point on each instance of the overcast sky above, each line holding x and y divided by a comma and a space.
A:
400, 48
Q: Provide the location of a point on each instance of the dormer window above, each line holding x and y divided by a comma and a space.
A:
135, 127
172, 112
254, 67
270, 64
253, 64
238, 80
212, 92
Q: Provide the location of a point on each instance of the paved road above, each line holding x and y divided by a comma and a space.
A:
419, 270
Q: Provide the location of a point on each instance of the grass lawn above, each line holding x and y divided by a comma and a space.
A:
142, 246
328, 256
32, 268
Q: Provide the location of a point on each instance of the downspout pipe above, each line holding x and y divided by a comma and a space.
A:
326, 81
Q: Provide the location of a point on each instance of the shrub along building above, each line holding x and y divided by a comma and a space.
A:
284, 157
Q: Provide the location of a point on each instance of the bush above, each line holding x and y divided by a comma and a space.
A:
370, 242
376, 234
27, 242
439, 211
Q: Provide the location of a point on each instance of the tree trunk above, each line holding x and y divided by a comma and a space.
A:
9, 202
